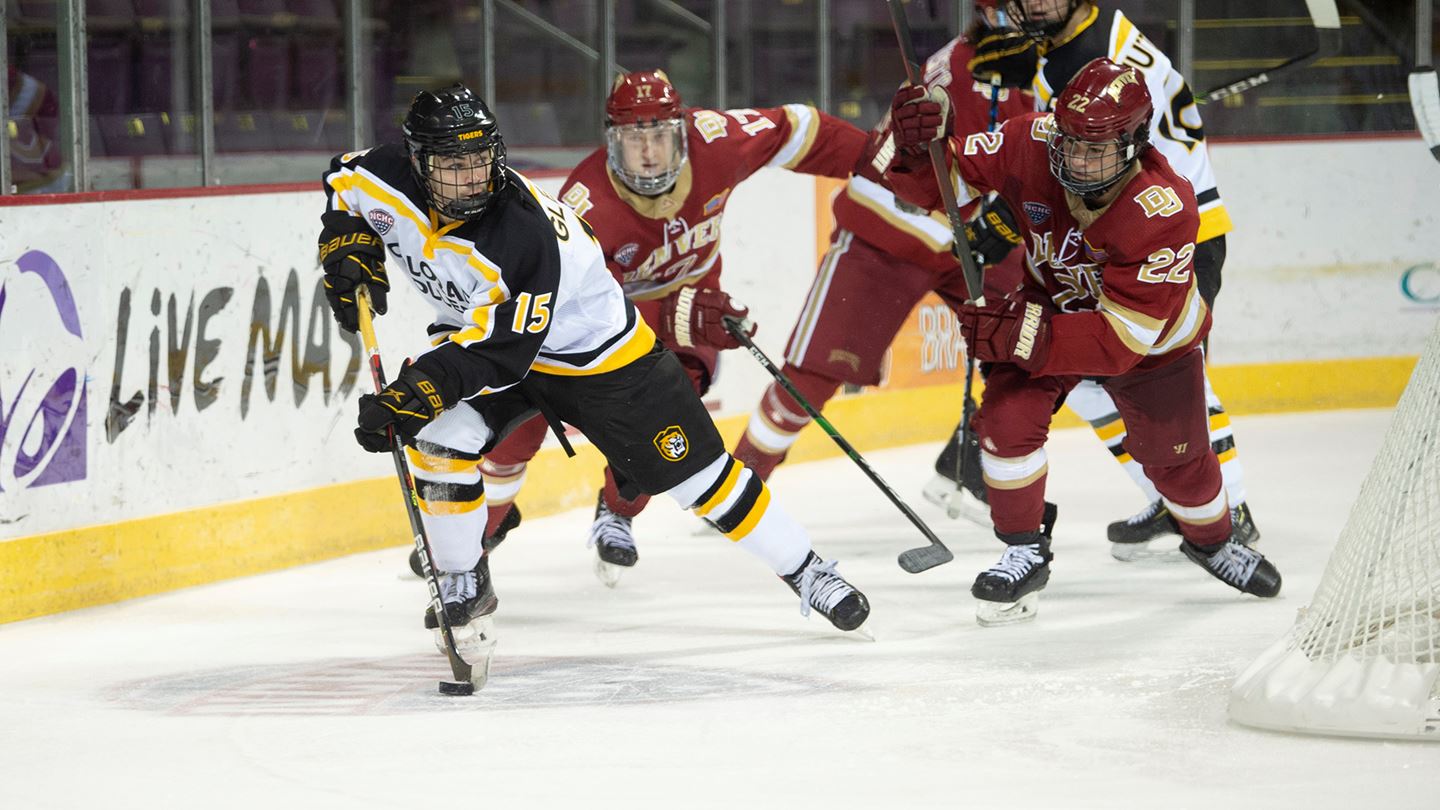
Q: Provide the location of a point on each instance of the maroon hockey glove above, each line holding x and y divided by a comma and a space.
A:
918, 117
352, 255
1011, 330
407, 404
695, 317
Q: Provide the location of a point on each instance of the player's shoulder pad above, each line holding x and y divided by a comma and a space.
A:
387, 161
1158, 210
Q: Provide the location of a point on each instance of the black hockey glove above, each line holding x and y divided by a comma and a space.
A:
407, 405
1009, 54
992, 234
352, 255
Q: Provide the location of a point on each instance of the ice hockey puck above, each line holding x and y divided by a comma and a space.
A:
457, 688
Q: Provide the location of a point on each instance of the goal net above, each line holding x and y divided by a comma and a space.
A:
1364, 658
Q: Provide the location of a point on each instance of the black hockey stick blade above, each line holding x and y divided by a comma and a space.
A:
740, 330
1425, 100
1326, 18
924, 558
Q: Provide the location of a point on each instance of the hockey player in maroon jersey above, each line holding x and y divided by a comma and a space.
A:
1109, 292
885, 254
655, 196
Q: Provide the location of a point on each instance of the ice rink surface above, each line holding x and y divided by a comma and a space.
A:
696, 683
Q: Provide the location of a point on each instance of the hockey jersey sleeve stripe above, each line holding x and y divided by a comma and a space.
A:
1119, 35
804, 124
1142, 320
1185, 327
392, 200
640, 341
1135, 329
1214, 222
881, 201
1128, 333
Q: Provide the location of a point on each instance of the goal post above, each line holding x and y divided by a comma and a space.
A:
1364, 658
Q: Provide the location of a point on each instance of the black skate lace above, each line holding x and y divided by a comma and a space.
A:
822, 587
610, 529
457, 586
1234, 563
1144, 514
1017, 561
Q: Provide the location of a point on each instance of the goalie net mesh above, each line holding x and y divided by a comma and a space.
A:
1364, 657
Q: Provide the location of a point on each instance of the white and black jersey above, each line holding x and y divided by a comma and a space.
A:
1175, 126
522, 288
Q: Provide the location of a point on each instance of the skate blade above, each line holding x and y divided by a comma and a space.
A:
997, 614
608, 573
475, 642
957, 503
1161, 549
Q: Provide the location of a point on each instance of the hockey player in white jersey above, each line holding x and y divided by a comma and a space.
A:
1071, 33
527, 319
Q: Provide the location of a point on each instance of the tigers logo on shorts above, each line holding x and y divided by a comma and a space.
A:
671, 443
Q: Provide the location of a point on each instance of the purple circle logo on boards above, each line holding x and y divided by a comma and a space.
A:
42, 397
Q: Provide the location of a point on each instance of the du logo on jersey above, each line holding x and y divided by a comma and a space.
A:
672, 444
42, 397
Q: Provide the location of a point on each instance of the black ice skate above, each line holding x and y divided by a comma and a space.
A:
1008, 592
821, 587
1238, 566
467, 595
967, 498
614, 543
470, 602
507, 523
1130, 539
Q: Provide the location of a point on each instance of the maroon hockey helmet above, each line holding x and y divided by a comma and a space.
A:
1102, 126
645, 96
645, 139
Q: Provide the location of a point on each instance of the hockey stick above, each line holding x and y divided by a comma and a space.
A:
961, 246
1425, 100
462, 684
1327, 32
968, 408
916, 559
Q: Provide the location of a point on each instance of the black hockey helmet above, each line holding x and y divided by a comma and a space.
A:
455, 150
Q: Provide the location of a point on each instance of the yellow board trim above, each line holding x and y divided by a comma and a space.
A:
39, 574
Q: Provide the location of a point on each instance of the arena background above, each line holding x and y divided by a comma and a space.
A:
175, 400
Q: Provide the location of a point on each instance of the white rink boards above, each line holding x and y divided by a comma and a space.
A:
697, 684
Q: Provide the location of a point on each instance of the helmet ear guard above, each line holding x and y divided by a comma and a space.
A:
455, 123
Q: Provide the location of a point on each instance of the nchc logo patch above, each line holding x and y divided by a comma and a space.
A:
381, 220
1036, 212
671, 443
